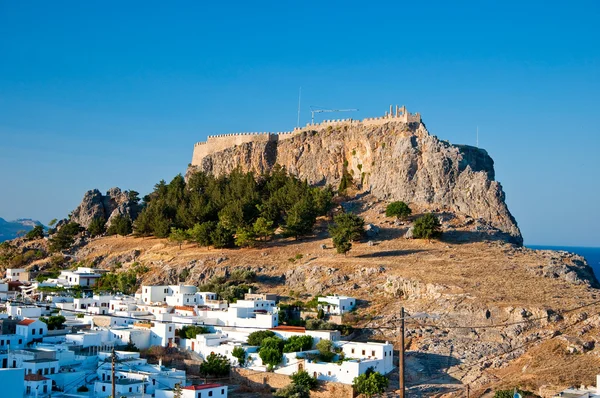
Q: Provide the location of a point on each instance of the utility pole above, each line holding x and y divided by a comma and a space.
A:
468, 391
401, 359
112, 373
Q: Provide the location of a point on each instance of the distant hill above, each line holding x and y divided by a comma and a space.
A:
10, 229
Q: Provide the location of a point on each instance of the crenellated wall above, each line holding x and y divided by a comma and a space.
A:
217, 143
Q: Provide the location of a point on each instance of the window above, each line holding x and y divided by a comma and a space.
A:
46, 371
169, 328
329, 373
41, 331
352, 351
130, 390
223, 391
33, 331
363, 352
103, 388
20, 341
210, 393
1, 342
372, 353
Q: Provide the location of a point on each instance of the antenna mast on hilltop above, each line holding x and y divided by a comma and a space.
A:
299, 96
321, 110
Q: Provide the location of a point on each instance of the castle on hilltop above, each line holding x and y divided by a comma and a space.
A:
217, 143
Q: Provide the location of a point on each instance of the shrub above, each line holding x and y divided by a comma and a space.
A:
120, 225
427, 227
347, 227
370, 383
256, 338
190, 332
240, 354
298, 343
215, 365
303, 379
325, 348
270, 356
36, 233
398, 209
510, 393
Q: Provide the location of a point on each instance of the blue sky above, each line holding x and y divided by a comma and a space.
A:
102, 94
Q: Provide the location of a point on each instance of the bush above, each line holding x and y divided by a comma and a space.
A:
303, 379
427, 227
298, 343
347, 227
215, 365
370, 383
325, 348
256, 338
190, 332
240, 354
292, 390
54, 322
270, 356
64, 237
510, 393
120, 225
36, 233
398, 209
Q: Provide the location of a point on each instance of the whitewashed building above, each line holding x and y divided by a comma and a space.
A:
31, 329
17, 274
336, 305
82, 276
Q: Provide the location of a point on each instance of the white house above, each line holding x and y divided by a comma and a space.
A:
23, 311
212, 390
336, 305
41, 366
159, 294
36, 385
382, 353
31, 329
17, 274
582, 392
83, 276
123, 387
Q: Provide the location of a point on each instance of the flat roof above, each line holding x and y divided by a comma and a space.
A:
203, 386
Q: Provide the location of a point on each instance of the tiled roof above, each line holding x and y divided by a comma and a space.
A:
184, 308
26, 322
202, 386
285, 328
35, 377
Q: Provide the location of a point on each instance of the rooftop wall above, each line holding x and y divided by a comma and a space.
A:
217, 143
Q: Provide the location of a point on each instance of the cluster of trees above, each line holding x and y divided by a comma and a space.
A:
510, 393
126, 282
426, 226
232, 287
36, 233
65, 237
236, 209
272, 347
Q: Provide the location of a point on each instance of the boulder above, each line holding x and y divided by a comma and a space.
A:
372, 230
107, 207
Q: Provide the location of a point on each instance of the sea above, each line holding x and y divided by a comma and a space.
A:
591, 254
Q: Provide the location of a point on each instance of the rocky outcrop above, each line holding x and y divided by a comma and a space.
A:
96, 205
393, 161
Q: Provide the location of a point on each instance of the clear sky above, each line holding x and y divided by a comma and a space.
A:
115, 93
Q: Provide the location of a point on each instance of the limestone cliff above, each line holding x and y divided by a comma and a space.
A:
393, 161
106, 207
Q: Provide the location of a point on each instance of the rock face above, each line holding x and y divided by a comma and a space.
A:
393, 161
96, 205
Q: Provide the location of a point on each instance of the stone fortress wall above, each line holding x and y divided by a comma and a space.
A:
217, 143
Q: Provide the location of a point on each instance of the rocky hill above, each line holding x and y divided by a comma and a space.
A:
95, 205
392, 161
10, 229
500, 316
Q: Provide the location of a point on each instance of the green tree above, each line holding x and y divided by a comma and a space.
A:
303, 379
245, 237
270, 356
52, 222
398, 209
298, 343
300, 218
221, 237
97, 226
256, 338
240, 354
201, 233
263, 228
178, 236
54, 322
325, 348
120, 225
370, 383
346, 180
36, 233
64, 237
427, 227
215, 365
347, 227
134, 196
191, 331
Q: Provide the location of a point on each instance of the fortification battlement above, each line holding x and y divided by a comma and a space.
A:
217, 143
